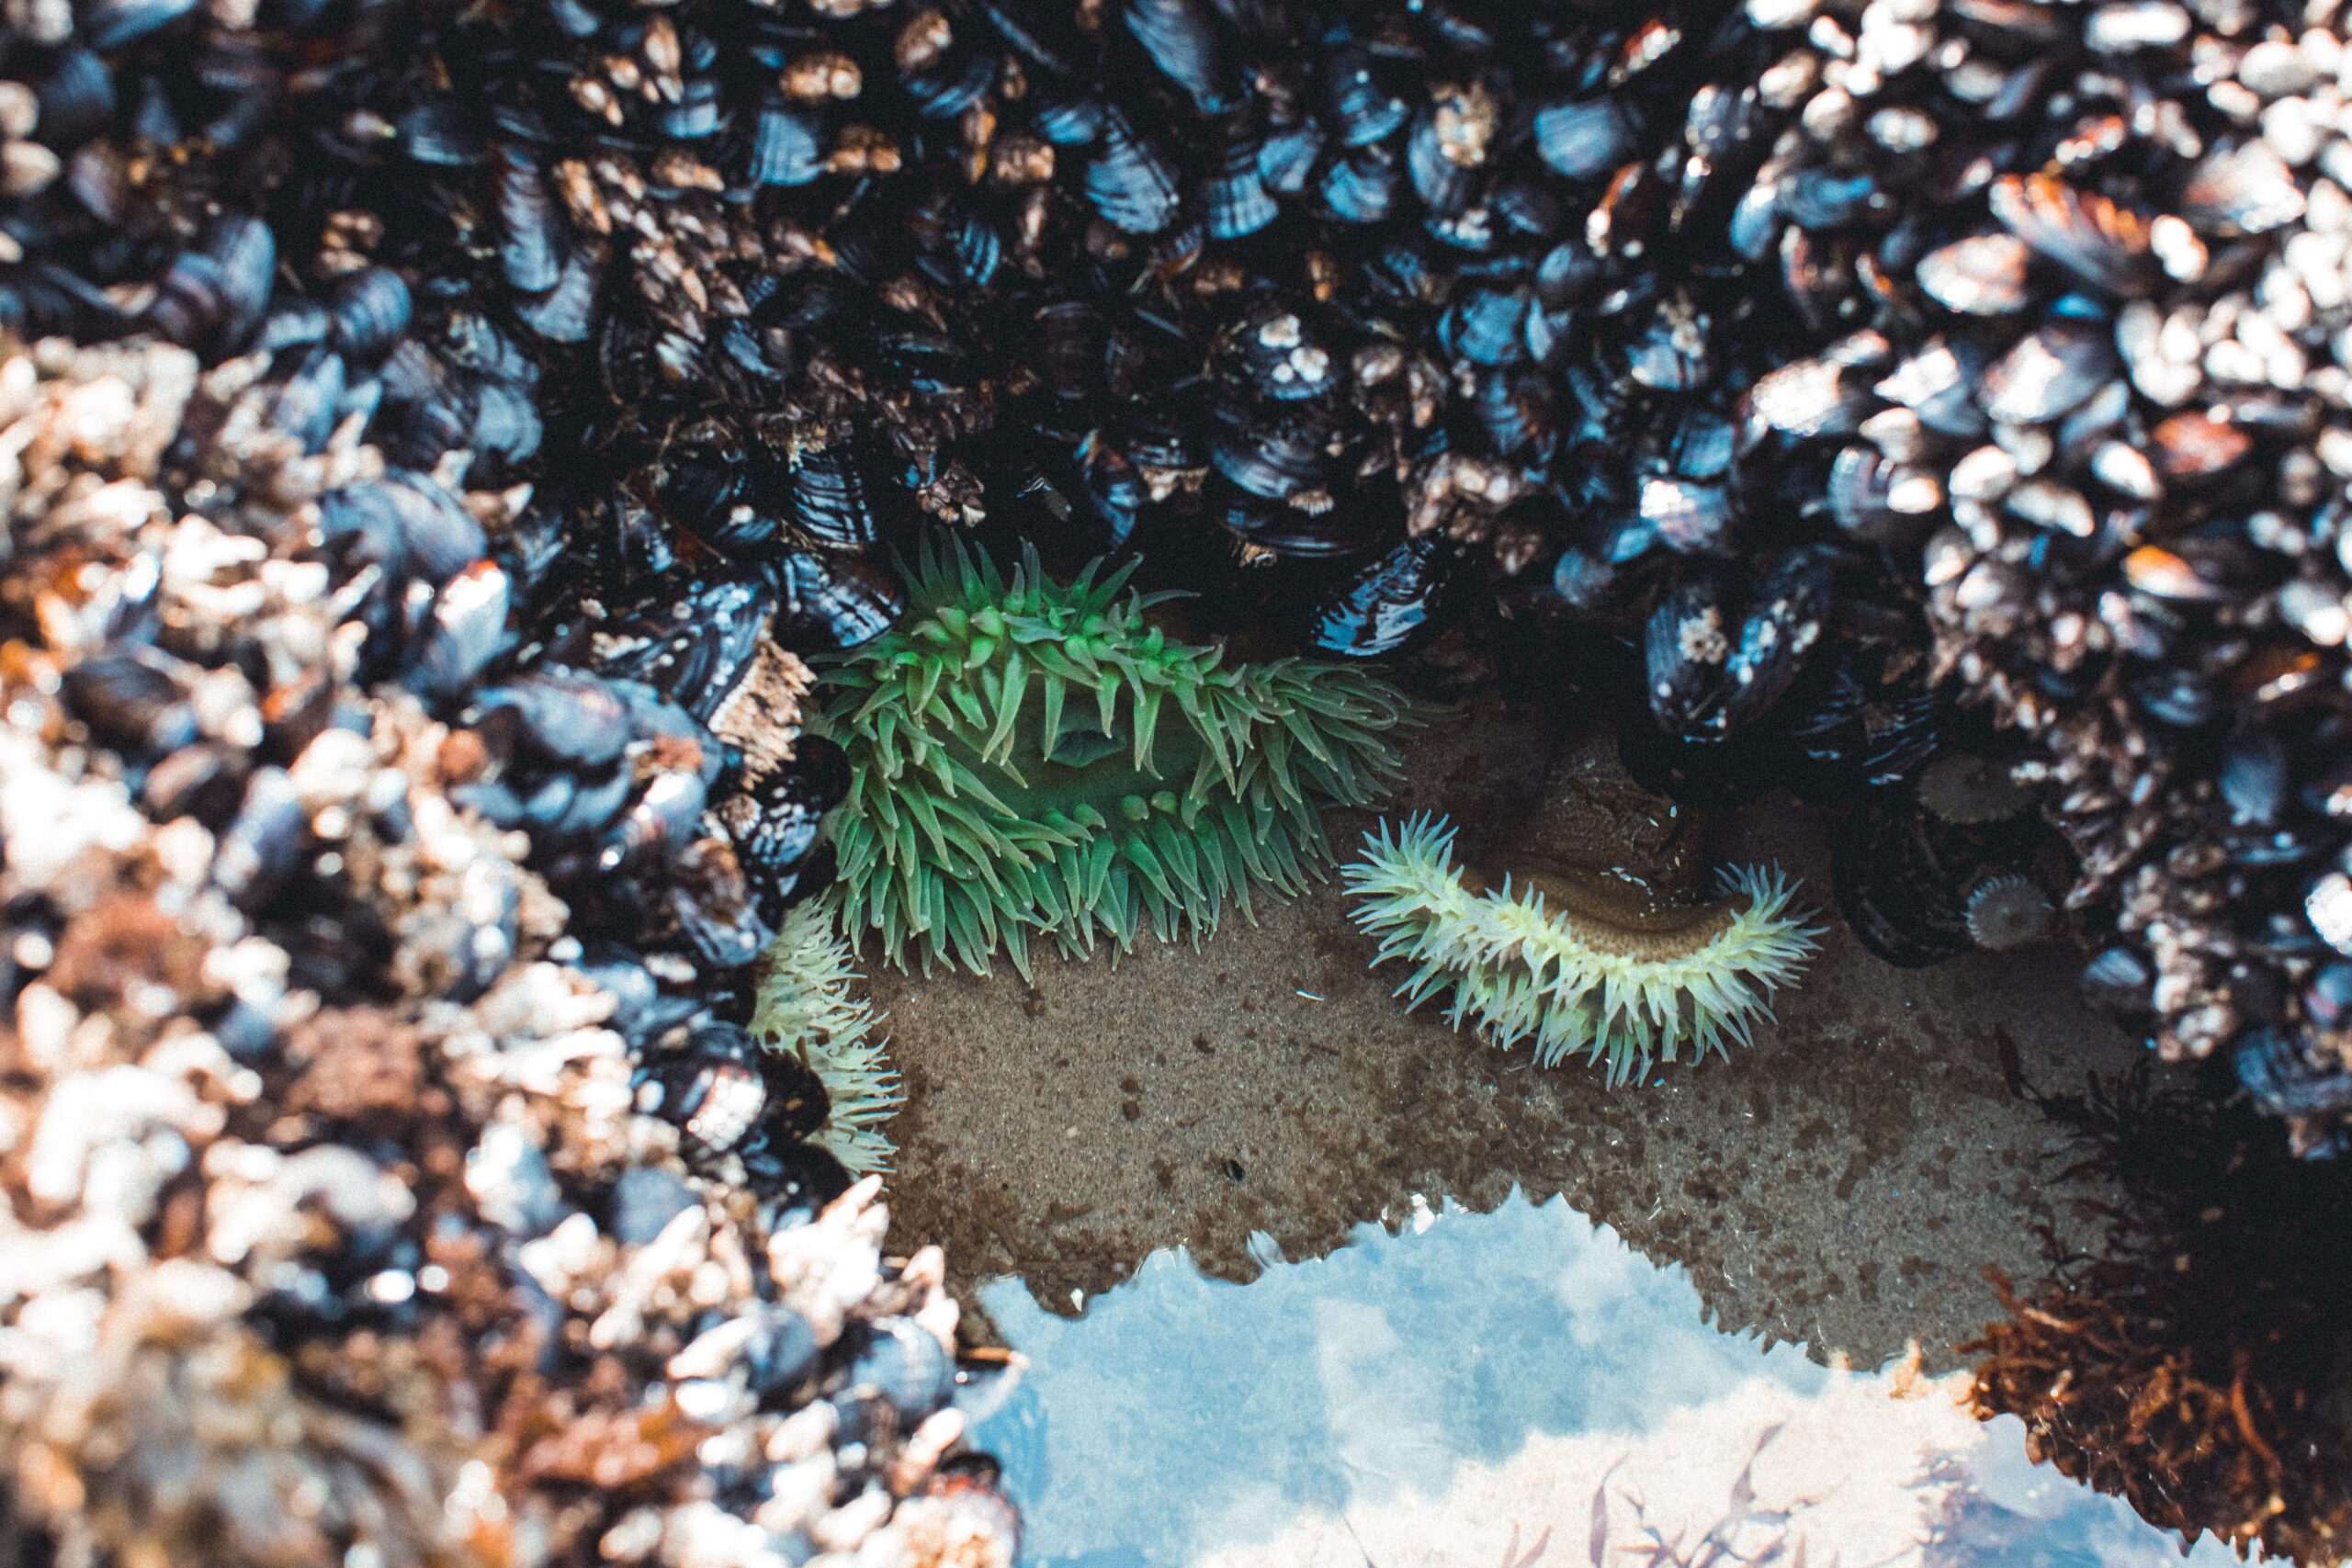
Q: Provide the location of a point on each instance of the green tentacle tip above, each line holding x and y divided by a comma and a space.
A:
1106, 776
1570, 982
805, 1008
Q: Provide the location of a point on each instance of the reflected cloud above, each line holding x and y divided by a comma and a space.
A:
1512, 1390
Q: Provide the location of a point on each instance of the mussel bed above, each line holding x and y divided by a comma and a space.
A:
440, 438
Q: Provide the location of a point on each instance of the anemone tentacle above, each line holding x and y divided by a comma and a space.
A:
1031, 757
805, 1007
1526, 971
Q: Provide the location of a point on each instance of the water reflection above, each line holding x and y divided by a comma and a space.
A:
1517, 1388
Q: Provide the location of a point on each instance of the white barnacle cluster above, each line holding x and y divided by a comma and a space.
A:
331, 1228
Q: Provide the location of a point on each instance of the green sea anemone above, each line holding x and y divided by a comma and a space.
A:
1028, 757
805, 1007
1554, 961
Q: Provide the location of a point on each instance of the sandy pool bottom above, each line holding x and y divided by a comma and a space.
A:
1845, 1182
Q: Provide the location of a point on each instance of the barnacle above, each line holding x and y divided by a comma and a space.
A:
805, 1008
321, 1325
1029, 757
1569, 972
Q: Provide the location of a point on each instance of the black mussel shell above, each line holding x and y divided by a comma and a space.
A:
529, 248
1234, 203
1182, 37
691, 643
1361, 106
110, 23
213, 296
133, 700
368, 311
1702, 773
76, 92
724, 1093
789, 1176
1385, 605
1274, 457
1484, 326
1787, 616
263, 848
774, 824
2279, 1073
2254, 779
1361, 185
711, 897
830, 501
568, 715
901, 1363
204, 780
1585, 140
1686, 645
2118, 983
1129, 181
828, 600
1284, 355
780, 1355
787, 145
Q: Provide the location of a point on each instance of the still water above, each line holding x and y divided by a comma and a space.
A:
1511, 1390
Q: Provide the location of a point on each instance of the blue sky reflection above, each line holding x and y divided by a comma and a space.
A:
1511, 1390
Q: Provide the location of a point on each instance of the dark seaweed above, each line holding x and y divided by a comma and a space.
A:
2194, 1363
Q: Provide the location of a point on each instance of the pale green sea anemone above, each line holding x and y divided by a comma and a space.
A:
806, 1007
1540, 963
1028, 757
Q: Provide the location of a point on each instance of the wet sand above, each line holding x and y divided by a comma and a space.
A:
1843, 1183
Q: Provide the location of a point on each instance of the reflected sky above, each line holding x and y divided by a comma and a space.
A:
1511, 1390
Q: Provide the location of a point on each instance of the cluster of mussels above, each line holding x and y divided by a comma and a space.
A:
436, 433
1849, 365
1854, 370
2092, 396
387, 1175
